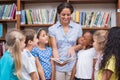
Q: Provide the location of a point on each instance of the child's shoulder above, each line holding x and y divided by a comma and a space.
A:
6, 57
35, 48
49, 48
92, 49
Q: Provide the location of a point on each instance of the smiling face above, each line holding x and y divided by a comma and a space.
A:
80, 40
65, 16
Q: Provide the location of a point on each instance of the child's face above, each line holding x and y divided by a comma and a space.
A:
87, 39
95, 44
80, 40
43, 37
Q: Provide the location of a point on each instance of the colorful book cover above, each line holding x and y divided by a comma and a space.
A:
1, 30
23, 17
77, 18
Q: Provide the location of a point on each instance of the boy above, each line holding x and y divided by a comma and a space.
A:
29, 70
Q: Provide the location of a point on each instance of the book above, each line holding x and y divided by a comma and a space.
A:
62, 61
1, 30
77, 18
23, 17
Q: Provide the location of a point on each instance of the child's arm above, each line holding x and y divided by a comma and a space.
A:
34, 76
78, 47
71, 50
94, 62
53, 70
106, 74
40, 69
73, 72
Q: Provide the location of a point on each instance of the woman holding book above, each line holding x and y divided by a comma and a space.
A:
63, 36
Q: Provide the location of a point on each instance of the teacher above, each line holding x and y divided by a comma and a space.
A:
63, 36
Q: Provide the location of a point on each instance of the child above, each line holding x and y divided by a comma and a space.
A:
80, 43
99, 38
10, 63
86, 56
110, 64
43, 53
29, 70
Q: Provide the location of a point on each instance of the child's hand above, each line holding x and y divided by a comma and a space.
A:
71, 52
56, 56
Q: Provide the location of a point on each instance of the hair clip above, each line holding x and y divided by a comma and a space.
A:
39, 30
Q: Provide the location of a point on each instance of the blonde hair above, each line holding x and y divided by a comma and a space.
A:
100, 37
13, 39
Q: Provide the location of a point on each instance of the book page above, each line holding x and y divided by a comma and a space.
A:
62, 61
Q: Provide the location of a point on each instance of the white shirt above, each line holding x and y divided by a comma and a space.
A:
28, 65
99, 59
85, 63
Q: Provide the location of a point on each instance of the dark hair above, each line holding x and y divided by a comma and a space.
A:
38, 32
112, 48
29, 34
65, 5
91, 33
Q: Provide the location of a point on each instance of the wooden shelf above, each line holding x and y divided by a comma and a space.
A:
7, 1
41, 1
2, 39
92, 1
36, 25
8, 20
102, 28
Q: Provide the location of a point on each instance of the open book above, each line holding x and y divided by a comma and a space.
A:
62, 61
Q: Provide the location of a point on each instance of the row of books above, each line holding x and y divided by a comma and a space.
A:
38, 16
92, 19
45, 16
8, 11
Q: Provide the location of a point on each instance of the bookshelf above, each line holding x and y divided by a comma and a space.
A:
21, 5
74, 2
95, 28
92, 1
35, 25
116, 2
8, 18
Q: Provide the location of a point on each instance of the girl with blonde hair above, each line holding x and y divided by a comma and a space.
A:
99, 38
10, 63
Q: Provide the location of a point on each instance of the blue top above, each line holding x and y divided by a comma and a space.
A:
7, 67
65, 41
44, 57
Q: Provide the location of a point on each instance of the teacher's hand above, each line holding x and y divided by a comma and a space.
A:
55, 54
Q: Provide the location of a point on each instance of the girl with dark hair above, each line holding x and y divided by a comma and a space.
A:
43, 54
110, 64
